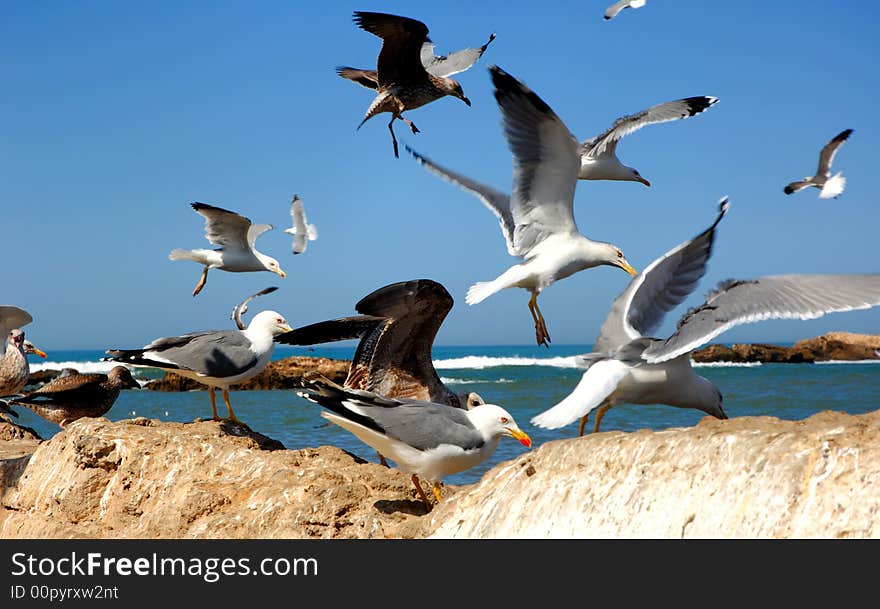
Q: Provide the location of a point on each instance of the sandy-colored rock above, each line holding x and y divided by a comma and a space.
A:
748, 477
279, 374
143, 478
844, 346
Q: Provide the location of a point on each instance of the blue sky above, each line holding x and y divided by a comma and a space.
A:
117, 115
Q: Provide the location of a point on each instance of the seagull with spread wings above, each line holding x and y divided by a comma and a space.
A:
402, 82
829, 187
302, 231
235, 237
626, 366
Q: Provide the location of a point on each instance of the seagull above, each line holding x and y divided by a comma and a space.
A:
829, 187
599, 154
425, 439
396, 327
301, 230
538, 220
73, 396
11, 317
402, 83
14, 367
235, 236
611, 11
215, 358
627, 366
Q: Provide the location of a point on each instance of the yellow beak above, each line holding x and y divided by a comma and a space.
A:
626, 266
286, 328
520, 435
40, 352
281, 273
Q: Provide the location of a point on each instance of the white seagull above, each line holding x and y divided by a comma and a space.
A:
538, 220
611, 11
234, 235
599, 154
11, 317
829, 187
628, 367
424, 439
301, 230
216, 358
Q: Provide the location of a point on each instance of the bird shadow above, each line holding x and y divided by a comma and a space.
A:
406, 506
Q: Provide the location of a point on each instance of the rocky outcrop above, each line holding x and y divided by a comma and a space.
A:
843, 346
279, 374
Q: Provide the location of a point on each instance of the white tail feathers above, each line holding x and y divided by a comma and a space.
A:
481, 291
597, 383
180, 254
833, 186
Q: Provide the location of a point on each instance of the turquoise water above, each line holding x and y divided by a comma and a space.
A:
525, 380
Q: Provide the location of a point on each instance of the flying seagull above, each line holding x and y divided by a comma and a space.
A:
302, 231
611, 11
216, 358
73, 396
396, 327
14, 366
425, 439
829, 187
235, 236
626, 366
538, 220
402, 82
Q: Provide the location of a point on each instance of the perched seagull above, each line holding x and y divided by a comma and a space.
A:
301, 230
611, 11
396, 327
216, 358
628, 367
538, 220
424, 439
829, 187
14, 367
401, 81
235, 236
242, 307
73, 396
599, 154
11, 317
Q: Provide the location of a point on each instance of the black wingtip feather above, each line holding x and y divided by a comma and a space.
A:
506, 86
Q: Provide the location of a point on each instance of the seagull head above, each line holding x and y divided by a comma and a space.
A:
16, 338
124, 377
613, 256
271, 321
454, 89
493, 422
272, 265
637, 177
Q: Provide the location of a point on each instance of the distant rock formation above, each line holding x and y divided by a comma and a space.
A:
843, 346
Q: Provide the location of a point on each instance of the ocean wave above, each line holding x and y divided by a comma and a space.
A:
849, 361
479, 362
82, 367
455, 381
725, 364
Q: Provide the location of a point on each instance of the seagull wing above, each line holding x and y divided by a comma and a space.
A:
402, 39
606, 143
545, 164
223, 227
611, 11
497, 202
826, 157
241, 308
365, 78
447, 65
736, 302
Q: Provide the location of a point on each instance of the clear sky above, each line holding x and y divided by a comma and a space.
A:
116, 116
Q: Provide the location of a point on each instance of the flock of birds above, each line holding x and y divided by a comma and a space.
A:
392, 398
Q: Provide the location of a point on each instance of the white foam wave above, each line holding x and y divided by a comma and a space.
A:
83, 367
725, 364
479, 362
850, 361
455, 381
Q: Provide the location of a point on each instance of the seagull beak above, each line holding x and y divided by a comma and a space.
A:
626, 266
643, 181
285, 328
281, 273
520, 435
39, 352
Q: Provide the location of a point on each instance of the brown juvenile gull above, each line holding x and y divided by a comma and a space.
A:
830, 187
14, 367
402, 82
235, 236
626, 366
302, 231
425, 439
216, 358
538, 219
67, 398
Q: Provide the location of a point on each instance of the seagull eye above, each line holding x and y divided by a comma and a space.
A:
620, 254
505, 420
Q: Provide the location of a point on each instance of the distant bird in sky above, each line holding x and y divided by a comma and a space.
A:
424, 439
628, 367
402, 83
73, 396
599, 154
216, 358
611, 11
538, 220
302, 231
14, 366
235, 236
829, 187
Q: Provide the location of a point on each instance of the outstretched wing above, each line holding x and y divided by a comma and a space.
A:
241, 308
826, 157
365, 78
402, 39
447, 65
736, 302
225, 228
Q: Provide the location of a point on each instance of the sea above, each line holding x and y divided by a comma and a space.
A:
525, 380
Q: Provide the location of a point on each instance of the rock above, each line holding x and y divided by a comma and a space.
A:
279, 374
13, 431
144, 478
748, 477
844, 346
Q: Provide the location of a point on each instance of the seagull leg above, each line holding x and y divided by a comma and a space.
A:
213, 403
599, 414
202, 280
232, 416
415, 480
542, 337
436, 490
583, 423
393, 138
411, 124
382, 460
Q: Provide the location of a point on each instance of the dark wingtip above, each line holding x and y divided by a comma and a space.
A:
788, 190
843, 135
507, 86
